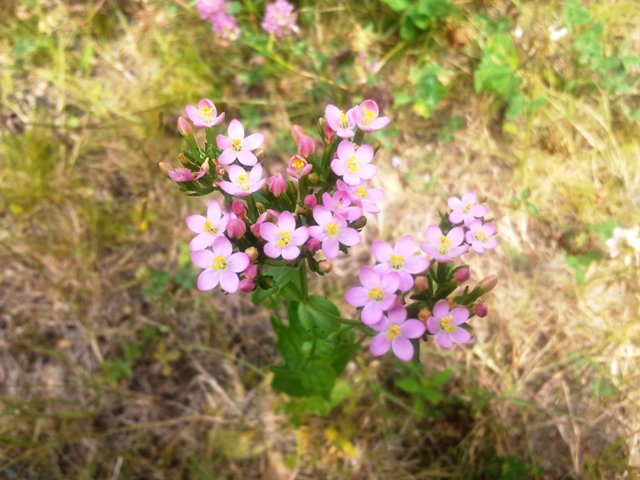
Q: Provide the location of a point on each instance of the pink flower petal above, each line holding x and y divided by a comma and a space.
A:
227, 157
286, 221
369, 278
195, 223
345, 150
202, 258
441, 309
238, 262
222, 246
460, 336
371, 313
300, 236
330, 247
365, 153
229, 282
223, 142
444, 340
402, 348
397, 315
380, 344
348, 237
433, 325
456, 236
381, 250
405, 247
253, 141
356, 296
272, 250
338, 167
416, 264
413, 328
214, 212
322, 216
201, 241
478, 210
208, 279
433, 234
247, 158
390, 282
290, 252
236, 130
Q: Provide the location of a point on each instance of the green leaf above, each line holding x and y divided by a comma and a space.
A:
575, 14
398, 5
259, 295
318, 316
408, 384
497, 70
408, 29
588, 45
315, 378
342, 355
289, 345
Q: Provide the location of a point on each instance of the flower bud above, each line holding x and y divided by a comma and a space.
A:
488, 283
329, 134
184, 127
480, 309
421, 283
306, 146
359, 223
259, 154
238, 208
313, 245
220, 171
165, 167
297, 132
424, 314
252, 253
236, 228
182, 159
311, 200
246, 285
261, 208
277, 184
313, 178
325, 266
462, 275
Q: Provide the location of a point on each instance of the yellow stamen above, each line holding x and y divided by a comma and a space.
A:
210, 227
368, 116
444, 246
393, 332
284, 238
397, 261
467, 208
481, 236
445, 324
298, 165
361, 192
332, 229
236, 144
375, 294
353, 164
344, 121
219, 263
205, 111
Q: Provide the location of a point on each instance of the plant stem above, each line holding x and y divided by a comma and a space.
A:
303, 280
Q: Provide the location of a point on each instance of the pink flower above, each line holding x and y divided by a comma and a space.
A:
208, 228
225, 26
251, 271
313, 245
280, 19
311, 200
462, 275
204, 115
341, 123
443, 247
283, 239
480, 309
238, 208
243, 184
298, 167
306, 144
481, 235
368, 198
340, 204
354, 165
208, 8
236, 146
332, 231
376, 295
367, 117
183, 174
465, 209
246, 285
220, 266
236, 227
277, 184
395, 332
445, 324
268, 216
400, 259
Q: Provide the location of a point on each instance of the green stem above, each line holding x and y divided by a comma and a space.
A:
253, 209
303, 280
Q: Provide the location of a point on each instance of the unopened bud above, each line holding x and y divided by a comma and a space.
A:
297, 132
259, 153
252, 253
462, 275
325, 266
246, 285
220, 171
306, 146
488, 283
277, 184
182, 159
424, 314
236, 228
261, 208
184, 127
421, 283
360, 223
311, 200
313, 245
481, 310
165, 167
313, 178
238, 208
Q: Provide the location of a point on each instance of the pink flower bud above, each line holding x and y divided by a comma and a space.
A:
488, 283
277, 184
184, 127
421, 283
306, 146
252, 269
238, 208
462, 275
480, 309
311, 200
297, 132
236, 228
246, 285
329, 134
313, 245
325, 266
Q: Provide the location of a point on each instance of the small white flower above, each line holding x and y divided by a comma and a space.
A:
518, 32
556, 33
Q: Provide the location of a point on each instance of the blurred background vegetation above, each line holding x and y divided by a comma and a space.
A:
113, 366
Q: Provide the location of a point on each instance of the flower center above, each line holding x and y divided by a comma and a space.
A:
344, 121
481, 236
368, 116
205, 111
332, 229
361, 192
444, 245
298, 165
284, 238
445, 324
375, 294
353, 164
210, 227
393, 332
219, 263
236, 144
397, 261
467, 208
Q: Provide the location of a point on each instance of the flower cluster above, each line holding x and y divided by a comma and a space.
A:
279, 18
405, 295
625, 243
222, 22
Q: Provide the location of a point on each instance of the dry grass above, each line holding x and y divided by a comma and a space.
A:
112, 366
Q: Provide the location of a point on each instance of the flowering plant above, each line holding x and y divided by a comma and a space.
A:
265, 236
